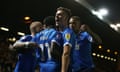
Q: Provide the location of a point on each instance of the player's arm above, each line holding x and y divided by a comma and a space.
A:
25, 42
66, 51
66, 58
19, 44
96, 37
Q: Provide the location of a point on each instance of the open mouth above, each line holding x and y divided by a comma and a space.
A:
57, 20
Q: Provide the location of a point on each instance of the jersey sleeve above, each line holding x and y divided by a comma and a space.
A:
36, 38
89, 38
68, 38
25, 38
57, 38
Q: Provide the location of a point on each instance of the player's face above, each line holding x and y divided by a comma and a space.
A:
60, 17
83, 27
74, 24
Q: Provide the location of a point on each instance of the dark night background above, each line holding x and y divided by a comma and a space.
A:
12, 13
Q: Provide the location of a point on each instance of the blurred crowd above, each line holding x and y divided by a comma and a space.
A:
7, 58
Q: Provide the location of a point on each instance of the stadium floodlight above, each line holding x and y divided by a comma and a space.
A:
21, 33
27, 18
118, 24
105, 57
103, 11
108, 50
4, 29
114, 60
94, 54
100, 13
115, 52
97, 14
102, 56
114, 27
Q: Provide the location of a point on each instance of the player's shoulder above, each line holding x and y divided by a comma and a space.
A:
85, 33
26, 38
40, 33
52, 31
68, 30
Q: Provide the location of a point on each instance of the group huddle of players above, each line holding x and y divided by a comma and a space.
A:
60, 44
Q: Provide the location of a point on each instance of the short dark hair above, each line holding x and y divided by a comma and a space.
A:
68, 11
76, 18
49, 21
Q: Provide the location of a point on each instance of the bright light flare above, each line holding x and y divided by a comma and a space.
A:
114, 60
114, 27
97, 14
103, 11
105, 57
108, 58
94, 54
102, 56
100, 46
98, 55
115, 52
12, 39
108, 50
118, 25
27, 18
4, 29
21, 33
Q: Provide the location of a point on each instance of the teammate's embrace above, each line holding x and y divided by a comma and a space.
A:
49, 41
26, 50
62, 17
82, 59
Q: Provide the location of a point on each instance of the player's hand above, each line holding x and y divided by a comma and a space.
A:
33, 44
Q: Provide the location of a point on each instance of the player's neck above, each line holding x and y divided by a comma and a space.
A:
48, 27
32, 34
77, 32
65, 25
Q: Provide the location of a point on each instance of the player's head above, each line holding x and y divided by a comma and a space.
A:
75, 23
49, 21
84, 27
44, 26
36, 27
62, 16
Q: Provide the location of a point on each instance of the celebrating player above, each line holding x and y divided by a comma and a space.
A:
82, 59
49, 41
62, 17
26, 50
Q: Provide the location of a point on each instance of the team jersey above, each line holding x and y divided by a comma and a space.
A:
47, 62
44, 40
69, 39
26, 58
82, 53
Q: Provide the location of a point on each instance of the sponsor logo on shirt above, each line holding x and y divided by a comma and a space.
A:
67, 36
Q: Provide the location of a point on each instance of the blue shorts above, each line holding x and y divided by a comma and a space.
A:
49, 66
25, 64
